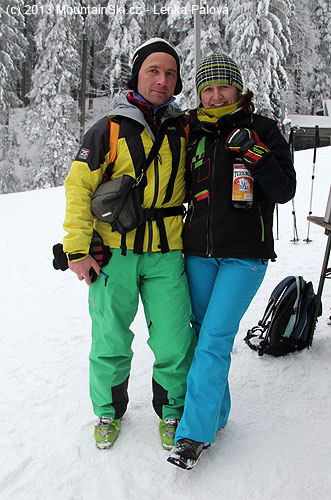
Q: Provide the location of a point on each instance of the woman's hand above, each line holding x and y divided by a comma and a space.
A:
246, 142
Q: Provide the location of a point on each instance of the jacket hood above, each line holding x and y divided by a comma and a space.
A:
128, 110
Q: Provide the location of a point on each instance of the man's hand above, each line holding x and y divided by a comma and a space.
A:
82, 268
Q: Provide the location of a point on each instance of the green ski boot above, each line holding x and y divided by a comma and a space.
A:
106, 432
167, 429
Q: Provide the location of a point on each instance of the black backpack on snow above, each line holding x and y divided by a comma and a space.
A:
289, 320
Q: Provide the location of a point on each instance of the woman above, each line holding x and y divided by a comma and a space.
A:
240, 166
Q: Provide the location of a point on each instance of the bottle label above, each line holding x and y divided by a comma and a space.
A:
242, 186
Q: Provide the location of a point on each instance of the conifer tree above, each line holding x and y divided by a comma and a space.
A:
181, 22
279, 11
259, 43
301, 60
30, 24
12, 45
96, 32
281, 46
322, 21
9, 182
12, 48
124, 37
153, 23
181, 36
54, 77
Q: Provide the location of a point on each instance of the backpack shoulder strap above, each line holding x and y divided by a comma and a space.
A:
152, 154
273, 305
186, 127
275, 297
114, 130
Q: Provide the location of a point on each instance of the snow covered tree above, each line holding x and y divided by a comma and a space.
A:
96, 32
92, 18
27, 65
181, 36
12, 52
153, 23
322, 20
279, 13
123, 38
302, 59
181, 23
259, 38
54, 78
9, 182
281, 46
12, 45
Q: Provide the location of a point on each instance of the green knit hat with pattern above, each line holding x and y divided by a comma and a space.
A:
218, 68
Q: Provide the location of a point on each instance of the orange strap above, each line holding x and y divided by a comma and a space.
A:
114, 130
186, 128
187, 133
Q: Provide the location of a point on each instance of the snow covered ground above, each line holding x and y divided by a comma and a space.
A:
278, 440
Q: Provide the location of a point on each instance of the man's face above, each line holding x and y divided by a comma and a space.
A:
157, 78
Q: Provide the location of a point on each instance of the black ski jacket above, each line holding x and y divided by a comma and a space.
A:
213, 226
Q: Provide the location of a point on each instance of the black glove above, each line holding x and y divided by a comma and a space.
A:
246, 142
60, 260
100, 252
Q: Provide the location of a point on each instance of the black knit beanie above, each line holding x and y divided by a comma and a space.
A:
147, 48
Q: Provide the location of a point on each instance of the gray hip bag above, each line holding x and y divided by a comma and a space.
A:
118, 201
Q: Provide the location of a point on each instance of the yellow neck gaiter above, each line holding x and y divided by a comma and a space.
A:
214, 114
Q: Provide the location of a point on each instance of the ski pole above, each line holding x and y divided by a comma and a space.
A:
282, 131
295, 230
316, 144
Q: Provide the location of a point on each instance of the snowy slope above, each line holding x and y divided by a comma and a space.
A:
278, 440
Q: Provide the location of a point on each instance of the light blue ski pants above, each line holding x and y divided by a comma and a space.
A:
221, 291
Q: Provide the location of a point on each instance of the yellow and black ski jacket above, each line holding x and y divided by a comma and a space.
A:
96, 162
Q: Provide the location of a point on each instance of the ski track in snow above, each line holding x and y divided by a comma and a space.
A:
277, 442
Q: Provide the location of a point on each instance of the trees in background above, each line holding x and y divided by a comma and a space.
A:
12, 54
322, 23
281, 46
259, 39
300, 64
124, 36
55, 77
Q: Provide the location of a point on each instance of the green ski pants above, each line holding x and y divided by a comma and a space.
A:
161, 282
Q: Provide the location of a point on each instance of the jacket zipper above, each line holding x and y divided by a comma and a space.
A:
262, 224
156, 193
157, 180
210, 243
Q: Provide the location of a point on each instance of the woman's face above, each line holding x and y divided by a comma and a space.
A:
218, 95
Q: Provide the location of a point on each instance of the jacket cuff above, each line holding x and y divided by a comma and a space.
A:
76, 256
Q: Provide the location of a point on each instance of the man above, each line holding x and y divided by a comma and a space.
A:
147, 260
